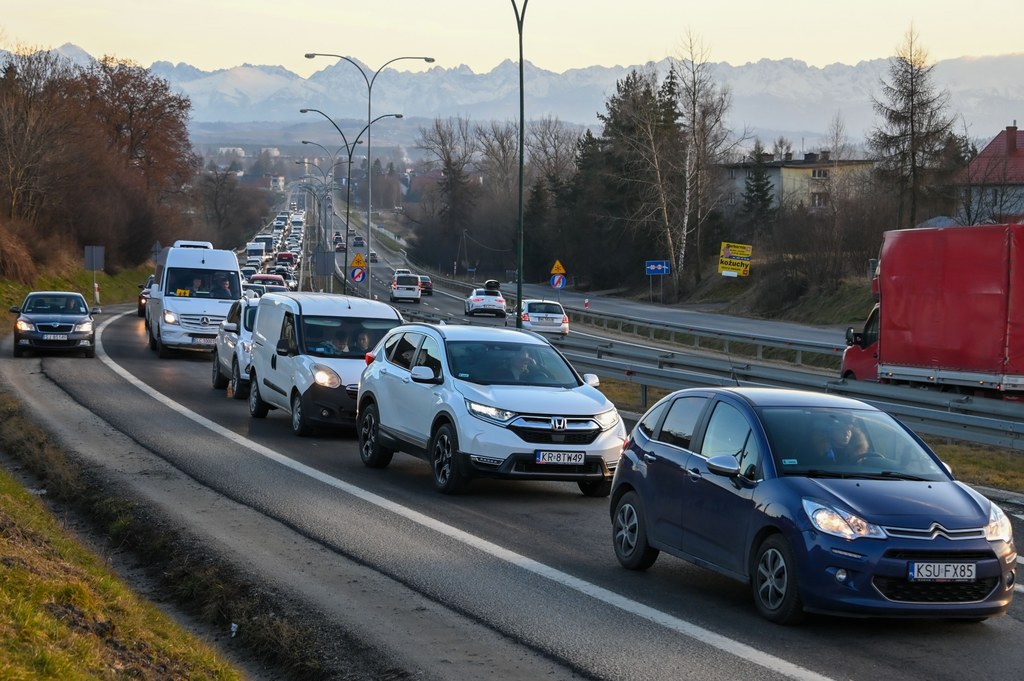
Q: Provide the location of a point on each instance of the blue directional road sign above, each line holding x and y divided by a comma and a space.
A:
656, 267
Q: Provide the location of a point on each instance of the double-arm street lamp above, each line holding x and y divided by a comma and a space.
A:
369, 172
369, 158
349, 148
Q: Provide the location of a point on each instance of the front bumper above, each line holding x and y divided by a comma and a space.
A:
870, 577
330, 406
54, 342
490, 450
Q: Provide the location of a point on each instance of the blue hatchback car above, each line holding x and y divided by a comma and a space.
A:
820, 503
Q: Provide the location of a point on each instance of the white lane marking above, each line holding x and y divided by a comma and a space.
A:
1018, 515
611, 598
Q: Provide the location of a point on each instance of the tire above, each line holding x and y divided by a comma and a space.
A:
774, 582
444, 449
152, 339
595, 488
370, 449
257, 407
300, 424
18, 352
90, 353
218, 380
239, 386
629, 534
142, 311
162, 351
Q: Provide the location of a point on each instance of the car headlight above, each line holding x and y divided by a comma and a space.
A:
84, 327
840, 523
607, 419
325, 376
22, 325
170, 317
489, 413
998, 528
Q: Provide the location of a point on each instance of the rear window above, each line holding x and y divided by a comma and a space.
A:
545, 308
407, 280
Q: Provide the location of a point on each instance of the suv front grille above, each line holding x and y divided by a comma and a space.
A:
547, 430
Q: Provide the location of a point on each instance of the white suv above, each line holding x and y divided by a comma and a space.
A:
485, 402
232, 357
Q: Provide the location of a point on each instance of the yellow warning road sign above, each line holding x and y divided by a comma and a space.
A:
558, 269
358, 261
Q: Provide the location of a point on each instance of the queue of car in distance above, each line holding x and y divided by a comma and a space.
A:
486, 402
54, 321
817, 502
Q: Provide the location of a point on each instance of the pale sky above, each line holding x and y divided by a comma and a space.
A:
558, 34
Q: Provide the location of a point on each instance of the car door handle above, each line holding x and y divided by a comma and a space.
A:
650, 458
695, 473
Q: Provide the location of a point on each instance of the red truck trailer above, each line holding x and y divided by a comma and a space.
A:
950, 312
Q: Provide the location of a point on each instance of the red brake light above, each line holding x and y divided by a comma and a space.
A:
369, 358
565, 319
525, 317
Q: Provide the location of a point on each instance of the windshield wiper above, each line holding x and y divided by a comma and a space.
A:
818, 473
901, 476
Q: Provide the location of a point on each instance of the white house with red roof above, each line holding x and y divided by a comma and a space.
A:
992, 184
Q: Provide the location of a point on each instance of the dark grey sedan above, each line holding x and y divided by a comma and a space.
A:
55, 321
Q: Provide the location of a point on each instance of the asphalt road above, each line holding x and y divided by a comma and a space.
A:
512, 580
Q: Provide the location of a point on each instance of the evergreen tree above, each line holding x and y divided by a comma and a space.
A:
914, 130
758, 194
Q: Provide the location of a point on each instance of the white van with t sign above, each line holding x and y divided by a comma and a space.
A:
308, 352
194, 287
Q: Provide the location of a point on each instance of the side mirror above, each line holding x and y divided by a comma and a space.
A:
724, 465
424, 374
850, 337
95, 310
282, 347
592, 380
228, 326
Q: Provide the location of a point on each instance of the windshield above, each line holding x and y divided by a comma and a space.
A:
55, 304
506, 363
343, 336
202, 283
846, 442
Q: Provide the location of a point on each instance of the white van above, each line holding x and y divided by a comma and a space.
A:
194, 287
308, 351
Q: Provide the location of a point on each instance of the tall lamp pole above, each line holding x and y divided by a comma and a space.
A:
348, 193
520, 17
323, 204
321, 209
369, 156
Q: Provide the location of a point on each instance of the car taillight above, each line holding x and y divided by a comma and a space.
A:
625, 444
369, 358
500, 301
525, 317
565, 319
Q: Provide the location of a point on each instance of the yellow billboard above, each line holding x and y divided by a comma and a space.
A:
734, 259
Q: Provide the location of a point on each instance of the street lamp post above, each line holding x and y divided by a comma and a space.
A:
366, 129
520, 18
348, 193
369, 156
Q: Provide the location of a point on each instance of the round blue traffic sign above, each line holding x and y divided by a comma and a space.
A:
557, 281
357, 274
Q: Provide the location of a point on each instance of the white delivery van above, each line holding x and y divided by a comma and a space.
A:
194, 287
308, 352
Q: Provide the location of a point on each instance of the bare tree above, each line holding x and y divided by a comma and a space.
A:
704, 105
499, 159
551, 149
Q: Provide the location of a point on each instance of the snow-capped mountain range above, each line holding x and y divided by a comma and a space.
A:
770, 97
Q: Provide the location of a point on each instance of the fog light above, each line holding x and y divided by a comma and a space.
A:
841, 576
325, 413
1011, 579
